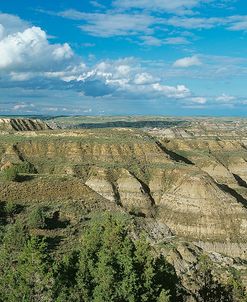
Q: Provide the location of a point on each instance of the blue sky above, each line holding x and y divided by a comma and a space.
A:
123, 57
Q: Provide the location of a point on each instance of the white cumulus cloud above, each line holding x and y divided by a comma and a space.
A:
30, 49
143, 78
21, 106
179, 91
224, 98
187, 62
10, 24
199, 100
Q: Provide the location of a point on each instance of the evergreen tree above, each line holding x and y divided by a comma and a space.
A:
113, 268
37, 218
29, 279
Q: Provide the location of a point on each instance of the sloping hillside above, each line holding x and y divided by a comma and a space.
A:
21, 124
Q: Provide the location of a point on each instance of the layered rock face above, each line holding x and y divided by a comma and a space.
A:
196, 187
197, 207
21, 124
99, 182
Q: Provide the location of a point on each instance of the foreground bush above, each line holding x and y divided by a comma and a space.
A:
26, 168
10, 174
30, 279
11, 207
13, 173
36, 218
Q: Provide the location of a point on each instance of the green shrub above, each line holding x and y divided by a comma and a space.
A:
10, 174
36, 218
30, 278
10, 207
15, 237
26, 168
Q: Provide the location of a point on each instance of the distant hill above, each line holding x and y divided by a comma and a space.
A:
21, 124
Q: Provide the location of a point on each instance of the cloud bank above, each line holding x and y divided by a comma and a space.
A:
29, 60
31, 63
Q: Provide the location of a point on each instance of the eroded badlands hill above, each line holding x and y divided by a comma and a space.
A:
185, 185
195, 185
21, 124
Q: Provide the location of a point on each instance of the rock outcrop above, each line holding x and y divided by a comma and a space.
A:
21, 124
